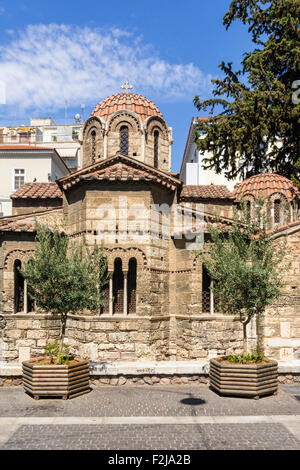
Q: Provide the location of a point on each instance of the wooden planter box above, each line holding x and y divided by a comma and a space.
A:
248, 380
66, 381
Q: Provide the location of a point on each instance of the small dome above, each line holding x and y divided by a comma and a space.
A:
265, 184
126, 101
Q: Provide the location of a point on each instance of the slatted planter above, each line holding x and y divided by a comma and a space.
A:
66, 381
245, 380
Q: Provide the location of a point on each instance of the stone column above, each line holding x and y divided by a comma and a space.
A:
125, 293
105, 145
143, 144
111, 294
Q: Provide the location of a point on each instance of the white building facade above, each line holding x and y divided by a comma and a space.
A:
65, 139
20, 164
192, 172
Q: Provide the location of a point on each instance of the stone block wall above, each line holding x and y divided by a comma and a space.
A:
132, 338
29, 206
281, 325
203, 337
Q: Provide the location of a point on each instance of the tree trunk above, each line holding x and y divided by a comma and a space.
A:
245, 341
62, 335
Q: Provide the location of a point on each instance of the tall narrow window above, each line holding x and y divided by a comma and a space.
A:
105, 308
249, 208
19, 178
124, 140
18, 288
206, 293
131, 289
277, 211
118, 287
156, 137
93, 137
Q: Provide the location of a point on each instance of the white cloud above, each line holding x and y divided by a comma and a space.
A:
45, 65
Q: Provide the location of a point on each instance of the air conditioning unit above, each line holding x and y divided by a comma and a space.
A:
13, 132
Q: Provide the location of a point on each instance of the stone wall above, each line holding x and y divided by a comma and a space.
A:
281, 326
29, 206
131, 338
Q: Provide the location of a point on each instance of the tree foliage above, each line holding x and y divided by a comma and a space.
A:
63, 277
245, 264
258, 126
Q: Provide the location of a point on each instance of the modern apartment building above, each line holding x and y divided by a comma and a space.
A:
44, 132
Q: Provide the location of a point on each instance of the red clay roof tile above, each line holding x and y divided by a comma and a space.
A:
121, 168
136, 103
209, 191
38, 191
265, 184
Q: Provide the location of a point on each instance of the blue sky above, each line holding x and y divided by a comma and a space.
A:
81, 52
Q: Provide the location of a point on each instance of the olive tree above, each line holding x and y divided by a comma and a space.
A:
245, 263
65, 277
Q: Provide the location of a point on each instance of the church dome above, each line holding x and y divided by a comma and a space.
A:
266, 184
126, 101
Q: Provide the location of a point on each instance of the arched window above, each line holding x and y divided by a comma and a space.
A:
118, 287
277, 211
124, 140
22, 300
93, 137
18, 288
131, 286
156, 138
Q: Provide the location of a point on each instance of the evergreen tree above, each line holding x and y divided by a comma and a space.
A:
246, 265
258, 126
65, 278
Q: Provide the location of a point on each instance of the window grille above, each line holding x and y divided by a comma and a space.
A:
131, 295
156, 137
124, 140
210, 303
277, 211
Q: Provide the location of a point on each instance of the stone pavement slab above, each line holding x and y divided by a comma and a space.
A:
151, 437
190, 417
185, 400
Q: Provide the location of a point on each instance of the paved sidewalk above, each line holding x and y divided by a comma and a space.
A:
154, 417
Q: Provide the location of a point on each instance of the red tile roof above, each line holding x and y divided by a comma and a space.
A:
26, 223
38, 191
209, 191
122, 101
121, 169
281, 228
265, 184
23, 147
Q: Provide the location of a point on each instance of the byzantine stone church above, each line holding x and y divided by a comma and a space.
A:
159, 305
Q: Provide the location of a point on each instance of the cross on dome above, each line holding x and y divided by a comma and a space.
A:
126, 87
